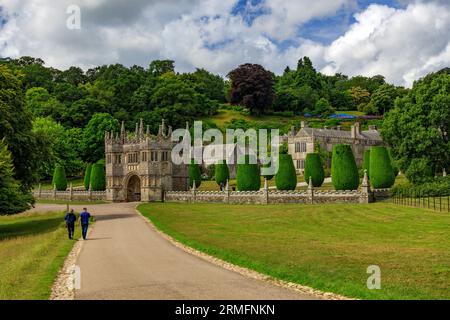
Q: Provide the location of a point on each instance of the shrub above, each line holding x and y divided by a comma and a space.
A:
194, 175
314, 169
419, 171
221, 173
267, 165
98, 177
59, 180
87, 176
248, 175
366, 162
344, 172
286, 177
439, 186
381, 173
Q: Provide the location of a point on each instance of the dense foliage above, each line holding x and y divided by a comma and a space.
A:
12, 198
439, 186
195, 175
59, 180
248, 174
417, 128
286, 177
344, 172
87, 176
221, 173
314, 169
98, 177
381, 172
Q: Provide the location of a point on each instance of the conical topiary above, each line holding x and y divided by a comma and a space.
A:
381, 172
221, 172
59, 180
286, 177
314, 169
267, 165
194, 175
248, 178
366, 162
87, 176
344, 172
98, 178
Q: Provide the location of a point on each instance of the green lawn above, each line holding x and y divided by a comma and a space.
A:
327, 247
33, 248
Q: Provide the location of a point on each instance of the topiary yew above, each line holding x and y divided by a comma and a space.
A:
221, 172
314, 169
59, 178
194, 175
344, 172
381, 172
286, 177
248, 178
98, 178
87, 176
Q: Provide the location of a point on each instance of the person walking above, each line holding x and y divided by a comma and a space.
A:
70, 222
84, 219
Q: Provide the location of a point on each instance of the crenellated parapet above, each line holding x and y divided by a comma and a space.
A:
139, 135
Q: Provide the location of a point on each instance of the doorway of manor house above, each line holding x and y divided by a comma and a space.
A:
134, 189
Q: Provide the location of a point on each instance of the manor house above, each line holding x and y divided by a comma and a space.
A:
139, 166
308, 140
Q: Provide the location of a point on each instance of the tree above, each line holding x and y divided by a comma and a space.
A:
204, 82
314, 169
252, 87
286, 177
27, 151
195, 175
12, 197
87, 176
323, 107
248, 178
221, 172
59, 180
393, 162
381, 172
383, 98
93, 141
419, 171
42, 104
360, 96
98, 177
344, 172
159, 67
419, 124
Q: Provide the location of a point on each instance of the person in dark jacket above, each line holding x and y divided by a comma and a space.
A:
70, 222
84, 219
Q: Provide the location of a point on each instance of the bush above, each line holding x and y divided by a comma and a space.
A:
87, 176
366, 162
439, 186
267, 165
419, 171
381, 173
98, 177
314, 169
344, 172
248, 175
59, 180
221, 173
194, 175
286, 177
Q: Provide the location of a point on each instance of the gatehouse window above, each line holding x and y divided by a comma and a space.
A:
133, 157
118, 159
108, 158
165, 156
154, 156
144, 156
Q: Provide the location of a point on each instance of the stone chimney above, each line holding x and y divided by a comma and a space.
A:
292, 131
372, 127
338, 128
356, 130
303, 124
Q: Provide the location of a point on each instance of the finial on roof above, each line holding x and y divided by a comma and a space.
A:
141, 128
148, 131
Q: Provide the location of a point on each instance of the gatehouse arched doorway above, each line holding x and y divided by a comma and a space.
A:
134, 189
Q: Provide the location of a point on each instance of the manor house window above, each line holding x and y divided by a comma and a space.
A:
300, 147
133, 157
153, 156
165, 156
300, 164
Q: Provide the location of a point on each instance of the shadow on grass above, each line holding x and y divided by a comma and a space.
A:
29, 227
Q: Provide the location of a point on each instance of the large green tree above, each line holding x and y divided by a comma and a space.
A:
418, 126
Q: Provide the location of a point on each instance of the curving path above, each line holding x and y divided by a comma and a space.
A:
124, 258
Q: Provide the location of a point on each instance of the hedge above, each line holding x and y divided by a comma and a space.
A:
98, 178
366, 162
59, 178
194, 175
87, 176
248, 178
381, 172
221, 172
344, 172
286, 177
314, 169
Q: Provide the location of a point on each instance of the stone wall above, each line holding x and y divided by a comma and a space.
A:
70, 195
268, 197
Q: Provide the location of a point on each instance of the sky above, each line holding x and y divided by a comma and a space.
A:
400, 39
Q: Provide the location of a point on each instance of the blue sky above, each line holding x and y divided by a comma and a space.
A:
400, 39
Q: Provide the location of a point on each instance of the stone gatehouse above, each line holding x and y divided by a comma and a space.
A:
139, 166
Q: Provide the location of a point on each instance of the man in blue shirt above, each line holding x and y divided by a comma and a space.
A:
84, 219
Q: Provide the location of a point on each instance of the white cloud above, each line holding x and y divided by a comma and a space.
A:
402, 44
